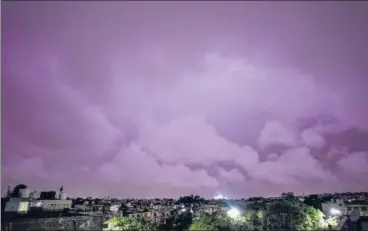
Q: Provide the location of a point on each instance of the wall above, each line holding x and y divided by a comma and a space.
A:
363, 209
56, 205
17, 205
326, 207
61, 223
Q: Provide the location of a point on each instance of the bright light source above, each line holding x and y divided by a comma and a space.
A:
335, 212
220, 197
233, 213
183, 210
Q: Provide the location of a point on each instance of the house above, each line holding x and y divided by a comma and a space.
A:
334, 208
82, 207
360, 206
97, 208
353, 222
55, 205
17, 204
135, 215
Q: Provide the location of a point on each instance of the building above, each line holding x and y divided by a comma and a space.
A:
340, 207
82, 208
19, 200
334, 208
359, 206
53, 205
17, 204
353, 222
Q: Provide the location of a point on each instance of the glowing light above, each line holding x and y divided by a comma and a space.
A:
233, 213
183, 210
335, 212
220, 197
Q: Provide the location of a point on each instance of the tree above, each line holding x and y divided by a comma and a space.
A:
315, 216
127, 223
252, 219
190, 199
314, 201
288, 196
292, 215
169, 224
182, 221
221, 221
331, 222
215, 221
202, 224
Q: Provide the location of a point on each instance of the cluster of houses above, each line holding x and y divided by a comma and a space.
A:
153, 210
22, 201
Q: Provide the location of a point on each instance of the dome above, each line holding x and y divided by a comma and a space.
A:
17, 189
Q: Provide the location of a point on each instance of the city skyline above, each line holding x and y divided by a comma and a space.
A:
178, 98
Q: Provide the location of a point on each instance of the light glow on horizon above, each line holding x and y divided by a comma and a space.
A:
220, 197
233, 213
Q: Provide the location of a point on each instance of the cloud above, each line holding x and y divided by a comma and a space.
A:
291, 167
193, 141
312, 138
355, 162
170, 137
276, 133
272, 156
104, 110
232, 176
143, 169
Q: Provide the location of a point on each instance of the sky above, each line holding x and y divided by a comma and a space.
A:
163, 99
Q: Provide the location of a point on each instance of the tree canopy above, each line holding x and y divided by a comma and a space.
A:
284, 214
292, 215
127, 223
278, 215
190, 199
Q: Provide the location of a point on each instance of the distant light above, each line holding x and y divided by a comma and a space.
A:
233, 213
183, 210
220, 197
334, 211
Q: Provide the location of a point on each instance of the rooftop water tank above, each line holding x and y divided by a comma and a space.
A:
63, 196
35, 195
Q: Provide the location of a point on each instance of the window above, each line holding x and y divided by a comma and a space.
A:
349, 209
364, 208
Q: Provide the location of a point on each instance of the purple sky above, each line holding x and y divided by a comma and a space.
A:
166, 99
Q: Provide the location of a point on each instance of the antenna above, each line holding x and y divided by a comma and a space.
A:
8, 193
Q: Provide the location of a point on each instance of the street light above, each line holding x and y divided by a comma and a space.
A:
233, 213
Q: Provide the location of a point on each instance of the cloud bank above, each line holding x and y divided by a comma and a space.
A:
102, 111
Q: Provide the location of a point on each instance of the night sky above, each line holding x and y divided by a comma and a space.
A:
174, 98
